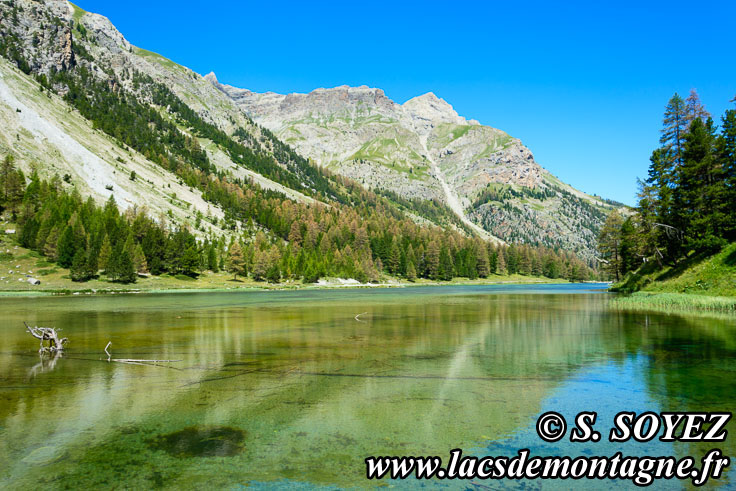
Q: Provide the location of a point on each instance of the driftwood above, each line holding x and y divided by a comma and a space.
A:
49, 334
133, 361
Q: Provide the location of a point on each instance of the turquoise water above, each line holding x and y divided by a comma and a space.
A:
287, 388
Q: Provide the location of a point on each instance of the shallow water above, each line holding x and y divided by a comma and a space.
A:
279, 388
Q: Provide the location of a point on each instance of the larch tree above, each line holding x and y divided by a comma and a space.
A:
694, 109
236, 260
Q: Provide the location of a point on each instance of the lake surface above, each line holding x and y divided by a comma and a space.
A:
287, 388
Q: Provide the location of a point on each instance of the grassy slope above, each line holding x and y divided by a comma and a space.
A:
54, 279
698, 283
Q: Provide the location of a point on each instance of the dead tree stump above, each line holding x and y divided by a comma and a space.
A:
49, 334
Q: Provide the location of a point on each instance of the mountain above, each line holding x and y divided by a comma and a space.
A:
423, 149
54, 38
83, 113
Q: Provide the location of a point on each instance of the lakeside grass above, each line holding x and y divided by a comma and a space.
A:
695, 284
680, 302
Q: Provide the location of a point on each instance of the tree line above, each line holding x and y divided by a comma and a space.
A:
685, 205
305, 242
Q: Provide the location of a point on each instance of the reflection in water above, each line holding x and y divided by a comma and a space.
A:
47, 362
291, 385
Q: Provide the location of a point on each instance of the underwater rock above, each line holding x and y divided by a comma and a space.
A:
201, 441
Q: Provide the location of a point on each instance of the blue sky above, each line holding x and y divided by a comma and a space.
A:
582, 84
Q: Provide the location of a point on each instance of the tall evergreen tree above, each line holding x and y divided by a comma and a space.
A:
12, 184
482, 263
190, 261
433, 260
727, 156
446, 269
105, 254
66, 248
701, 189
675, 123
609, 244
501, 261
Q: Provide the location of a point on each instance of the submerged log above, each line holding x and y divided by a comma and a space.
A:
49, 334
134, 361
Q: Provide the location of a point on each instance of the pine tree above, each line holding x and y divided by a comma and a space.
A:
482, 263
66, 247
125, 270
394, 258
103, 260
662, 222
12, 184
501, 261
190, 261
492, 259
446, 269
609, 244
50, 247
525, 261
536, 263
120, 266
433, 260
628, 250
700, 192
411, 258
675, 122
411, 272
139, 260
212, 263
727, 156
90, 265
512, 258
273, 272
78, 270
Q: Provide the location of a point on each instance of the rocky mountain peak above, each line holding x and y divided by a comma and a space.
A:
211, 78
430, 108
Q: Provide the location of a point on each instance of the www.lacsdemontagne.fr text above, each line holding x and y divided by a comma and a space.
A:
642, 471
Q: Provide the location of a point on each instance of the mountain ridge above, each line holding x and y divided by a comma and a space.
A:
424, 149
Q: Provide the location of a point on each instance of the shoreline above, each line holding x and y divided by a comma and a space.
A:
289, 286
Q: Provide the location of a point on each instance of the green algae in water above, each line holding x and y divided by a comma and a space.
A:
197, 441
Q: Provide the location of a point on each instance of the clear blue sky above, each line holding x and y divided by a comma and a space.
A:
582, 84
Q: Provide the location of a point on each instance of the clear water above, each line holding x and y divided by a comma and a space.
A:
279, 389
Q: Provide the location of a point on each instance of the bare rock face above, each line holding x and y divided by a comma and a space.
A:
66, 54
355, 130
